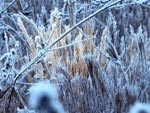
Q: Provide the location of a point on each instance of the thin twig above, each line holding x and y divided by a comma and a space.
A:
52, 33
71, 44
20, 98
29, 84
100, 51
7, 7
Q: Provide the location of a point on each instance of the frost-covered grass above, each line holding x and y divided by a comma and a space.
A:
101, 66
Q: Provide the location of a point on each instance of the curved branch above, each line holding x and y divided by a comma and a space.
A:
45, 50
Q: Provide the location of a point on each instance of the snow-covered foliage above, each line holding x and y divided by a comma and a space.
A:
140, 108
37, 90
43, 97
25, 110
99, 65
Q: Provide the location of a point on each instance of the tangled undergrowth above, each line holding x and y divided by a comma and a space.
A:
100, 66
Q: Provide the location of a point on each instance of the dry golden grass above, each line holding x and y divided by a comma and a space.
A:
74, 67
29, 38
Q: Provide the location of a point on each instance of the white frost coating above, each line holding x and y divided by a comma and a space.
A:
58, 106
137, 107
140, 1
38, 89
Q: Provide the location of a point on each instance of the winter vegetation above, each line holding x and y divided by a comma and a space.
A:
140, 108
74, 56
44, 98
